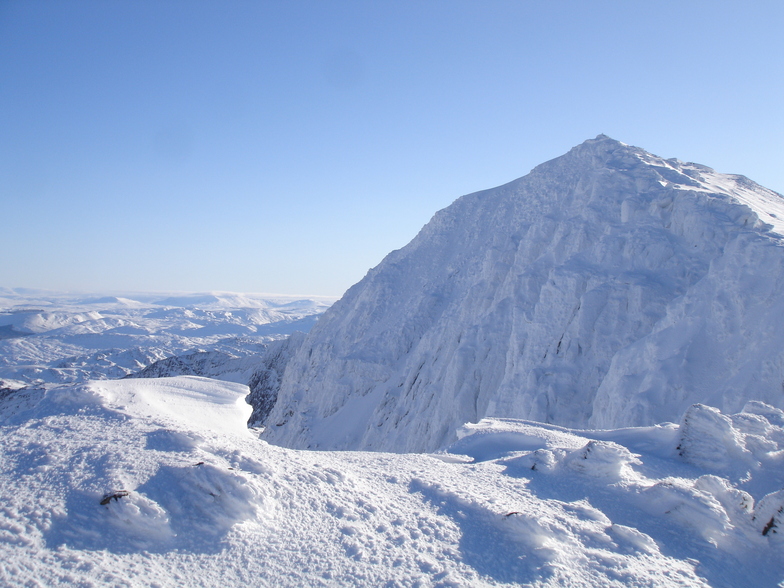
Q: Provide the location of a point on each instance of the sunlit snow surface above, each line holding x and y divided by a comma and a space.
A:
608, 287
201, 501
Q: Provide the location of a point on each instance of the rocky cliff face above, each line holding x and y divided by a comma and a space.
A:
208, 364
608, 287
264, 382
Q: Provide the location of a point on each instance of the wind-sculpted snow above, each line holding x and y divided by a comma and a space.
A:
49, 338
609, 287
158, 482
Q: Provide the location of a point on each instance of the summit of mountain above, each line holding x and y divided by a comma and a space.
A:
608, 287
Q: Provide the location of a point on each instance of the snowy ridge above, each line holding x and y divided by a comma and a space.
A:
609, 287
159, 482
767, 205
207, 364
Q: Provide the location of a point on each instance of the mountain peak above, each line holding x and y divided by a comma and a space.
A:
609, 287
603, 141
601, 137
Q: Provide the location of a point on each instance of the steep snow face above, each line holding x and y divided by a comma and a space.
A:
264, 382
609, 287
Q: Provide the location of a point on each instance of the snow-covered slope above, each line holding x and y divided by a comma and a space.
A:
49, 337
208, 364
608, 287
159, 482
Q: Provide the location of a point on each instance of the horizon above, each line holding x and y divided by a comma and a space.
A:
129, 294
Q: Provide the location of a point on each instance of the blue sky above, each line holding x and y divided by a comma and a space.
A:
288, 146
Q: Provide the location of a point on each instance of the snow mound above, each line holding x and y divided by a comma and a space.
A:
733, 445
190, 402
769, 516
720, 510
602, 459
159, 483
709, 439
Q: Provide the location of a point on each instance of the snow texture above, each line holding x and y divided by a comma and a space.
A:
158, 482
609, 287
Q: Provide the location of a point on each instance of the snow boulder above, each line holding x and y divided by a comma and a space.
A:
708, 439
603, 459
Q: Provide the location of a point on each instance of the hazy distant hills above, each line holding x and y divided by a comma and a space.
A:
50, 337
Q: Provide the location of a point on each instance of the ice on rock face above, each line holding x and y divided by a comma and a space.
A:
709, 439
769, 516
265, 380
608, 287
602, 459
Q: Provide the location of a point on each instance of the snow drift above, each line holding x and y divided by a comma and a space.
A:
609, 287
158, 482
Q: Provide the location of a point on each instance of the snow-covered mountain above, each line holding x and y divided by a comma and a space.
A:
609, 287
53, 338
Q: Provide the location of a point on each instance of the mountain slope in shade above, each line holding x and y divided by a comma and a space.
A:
607, 288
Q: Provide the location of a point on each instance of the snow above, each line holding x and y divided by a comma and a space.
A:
52, 338
607, 288
587, 362
158, 482
187, 401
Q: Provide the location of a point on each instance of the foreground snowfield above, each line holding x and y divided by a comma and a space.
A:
199, 500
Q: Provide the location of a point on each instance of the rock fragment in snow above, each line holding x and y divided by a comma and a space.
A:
107, 498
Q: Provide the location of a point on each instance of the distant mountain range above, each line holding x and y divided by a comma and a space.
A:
50, 338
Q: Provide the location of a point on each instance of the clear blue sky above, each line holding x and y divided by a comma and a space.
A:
288, 146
